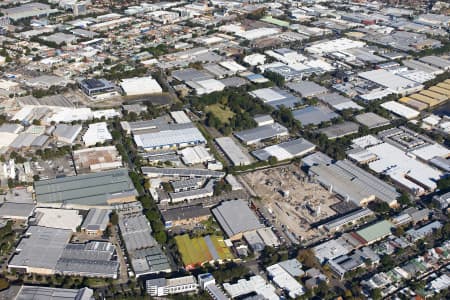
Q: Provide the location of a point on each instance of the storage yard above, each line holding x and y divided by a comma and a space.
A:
292, 199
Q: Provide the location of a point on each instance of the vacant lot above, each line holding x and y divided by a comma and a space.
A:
221, 112
292, 198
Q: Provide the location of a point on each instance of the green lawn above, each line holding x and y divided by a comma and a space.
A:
220, 111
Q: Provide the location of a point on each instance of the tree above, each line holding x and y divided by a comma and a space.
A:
114, 218
307, 257
272, 160
376, 294
278, 79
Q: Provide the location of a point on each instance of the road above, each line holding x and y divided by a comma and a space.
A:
123, 270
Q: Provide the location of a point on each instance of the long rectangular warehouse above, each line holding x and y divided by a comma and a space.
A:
87, 190
232, 150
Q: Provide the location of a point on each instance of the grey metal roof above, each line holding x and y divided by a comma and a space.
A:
236, 217
53, 100
181, 172
191, 74
353, 183
42, 248
372, 120
233, 151
257, 134
234, 81
97, 219
91, 259
339, 130
314, 115
67, 131
306, 88
187, 212
86, 189
16, 210
149, 260
136, 232
49, 293
294, 147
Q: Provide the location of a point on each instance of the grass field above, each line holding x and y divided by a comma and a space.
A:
220, 111
194, 252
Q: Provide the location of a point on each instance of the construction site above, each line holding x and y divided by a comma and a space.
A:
294, 200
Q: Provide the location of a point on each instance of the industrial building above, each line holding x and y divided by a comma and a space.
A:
287, 150
28, 10
145, 254
97, 133
314, 115
185, 216
400, 110
339, 130
306, 88
236, 218
96, 87
353, 183
50, 293
96, 221
87, 190
394, 83
57, 218
181, 172
233, 151
258, 134
40, 250
160, 287
285, 281
16, 211
140, 86
371, 120
348, 219
97, 159
91, 259
66, 133
276, 97
172, 136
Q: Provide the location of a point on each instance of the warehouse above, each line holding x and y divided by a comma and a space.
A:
348, 219
236, 218
180, 172
233, 151
97, 159
334, 46
185, 216
403, 169
94, 87
140, 86
400, 110
258, 134
392, 82
57, 218
375, 232
339, 130
40, 250
276, 97
306, 88
372, 120
195, 155
66, 133
49, 293
286, 150
353, 183
338, 102
314, 115
16, 211
436, 61
285, 281
170, 136
417, 65
206, 86
96, 221
92, 259
28, 10
87, 190
414, 104
97, 133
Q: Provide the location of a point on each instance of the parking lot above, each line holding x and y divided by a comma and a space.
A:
292, 199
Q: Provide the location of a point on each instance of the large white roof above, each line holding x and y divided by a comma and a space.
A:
400, 109
400, 167
140, 86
